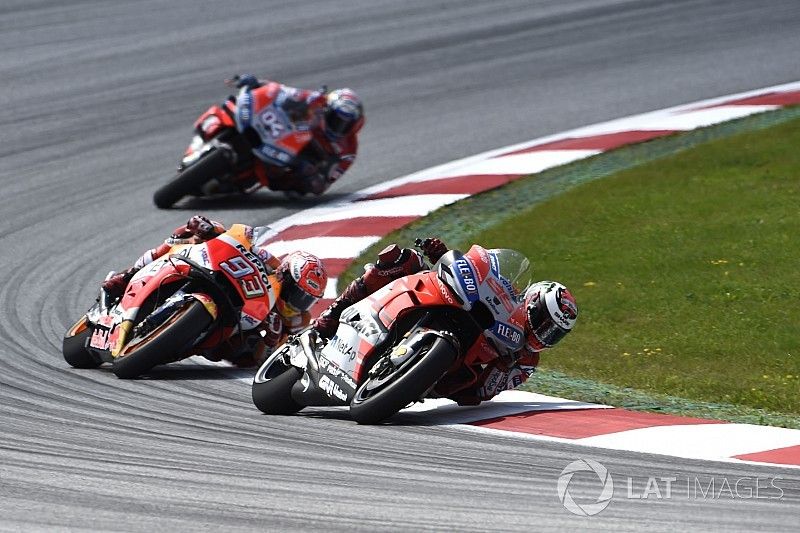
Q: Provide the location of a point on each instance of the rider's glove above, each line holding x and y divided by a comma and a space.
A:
327, 323
201, 227
180, 235
433, 248
246, 80
273, 331
395, 262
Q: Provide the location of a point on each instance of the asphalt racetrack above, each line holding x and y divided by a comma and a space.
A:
98, 99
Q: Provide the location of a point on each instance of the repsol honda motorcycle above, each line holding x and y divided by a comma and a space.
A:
412, 339
188, 302
253, 141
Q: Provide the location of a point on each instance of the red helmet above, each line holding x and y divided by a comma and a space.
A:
303, 280
551, 314
344, 114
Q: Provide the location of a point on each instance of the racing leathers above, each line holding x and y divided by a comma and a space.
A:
198, 229
467, 386
325, 159
242, 350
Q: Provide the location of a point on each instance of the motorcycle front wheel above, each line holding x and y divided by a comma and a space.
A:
384, 393
161, 344
188, 181
74, 345
272, 385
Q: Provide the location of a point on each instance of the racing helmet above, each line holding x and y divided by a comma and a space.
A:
303, 279
551, 313
344, 113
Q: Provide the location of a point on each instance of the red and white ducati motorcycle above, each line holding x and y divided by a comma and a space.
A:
188, 302
407, 341
243, 145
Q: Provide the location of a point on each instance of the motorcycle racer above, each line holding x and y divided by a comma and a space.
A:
301, 277
334, 118
549, 308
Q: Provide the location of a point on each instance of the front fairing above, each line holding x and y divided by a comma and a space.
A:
366, 325
281, 139
230, 254
494, 279
359, 331
209, 126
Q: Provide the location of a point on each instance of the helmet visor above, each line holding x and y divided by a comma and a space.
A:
295, 297
543, 327
338, 124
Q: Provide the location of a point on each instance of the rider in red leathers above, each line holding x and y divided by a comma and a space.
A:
550, 312
302, 279
334, 117
198, 229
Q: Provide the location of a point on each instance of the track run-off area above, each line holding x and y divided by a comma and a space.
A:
99, 101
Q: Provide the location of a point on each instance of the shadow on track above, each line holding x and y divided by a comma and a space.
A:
447, 414
256, 201
196, 372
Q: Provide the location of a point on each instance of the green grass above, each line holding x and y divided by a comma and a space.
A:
685, 270
682, 259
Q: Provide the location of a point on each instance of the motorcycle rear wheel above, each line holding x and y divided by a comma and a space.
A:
375, 402
272, 386
163, 343
74, 346
214, 164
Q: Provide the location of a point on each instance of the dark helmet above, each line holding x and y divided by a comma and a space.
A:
344, 114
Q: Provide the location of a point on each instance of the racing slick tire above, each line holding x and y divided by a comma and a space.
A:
378, 398
163, 343
74, 346
272, 386
189, 180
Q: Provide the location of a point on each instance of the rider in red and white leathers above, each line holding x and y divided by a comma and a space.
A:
334, 118
549, 309
302, 279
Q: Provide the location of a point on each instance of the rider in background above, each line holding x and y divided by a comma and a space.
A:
301, 276
334, 118
550, 312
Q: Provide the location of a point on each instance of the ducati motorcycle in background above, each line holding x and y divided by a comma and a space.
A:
187, 302
244, 144
411, 340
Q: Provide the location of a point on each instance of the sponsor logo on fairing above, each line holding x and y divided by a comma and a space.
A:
466, 278
331, 368
493, 302
484, 258
204, 257
366, 326
493, 264
508, 332
445, 292
246, 319
274, 155
331, 388
494, 382
344, 348
244, 108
